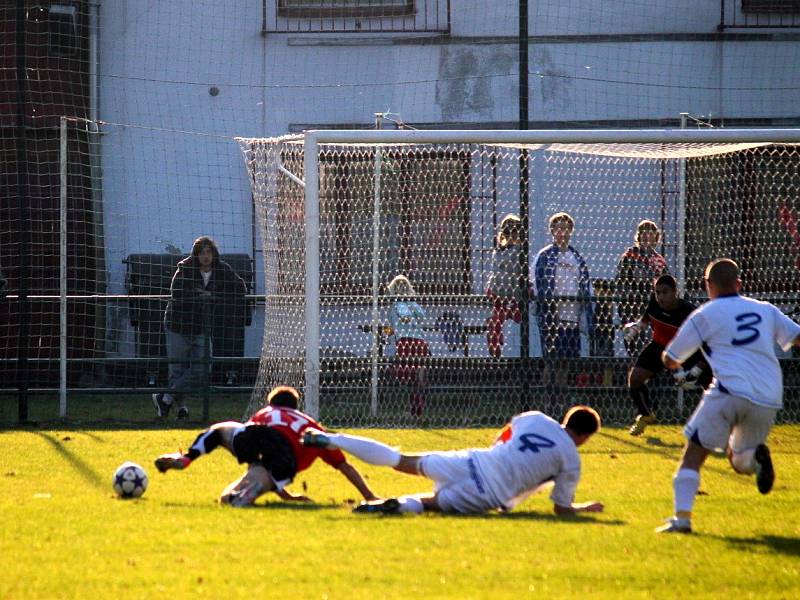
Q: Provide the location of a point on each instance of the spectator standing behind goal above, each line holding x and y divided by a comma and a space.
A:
664, 314
406, 317
270, 444
737, 336
530, 451
637, 268
504, 287
201, 283
562, 289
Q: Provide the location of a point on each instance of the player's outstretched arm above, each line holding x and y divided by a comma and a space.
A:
578, 507
355, 478
285, 494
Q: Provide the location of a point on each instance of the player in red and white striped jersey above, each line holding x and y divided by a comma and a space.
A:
270, 443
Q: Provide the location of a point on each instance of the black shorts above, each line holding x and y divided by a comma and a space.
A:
261, 445
650, 359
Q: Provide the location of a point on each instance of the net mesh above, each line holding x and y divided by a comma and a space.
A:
129, 218
466, 343
154, 92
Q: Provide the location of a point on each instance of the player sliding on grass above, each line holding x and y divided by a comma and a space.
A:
270, 444
530, 451
738, 336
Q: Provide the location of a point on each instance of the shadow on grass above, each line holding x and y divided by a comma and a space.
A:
286, 506
654, 441
301, 506
529, 515
103, 425
775, 543
522, 515
652, 445
83, 469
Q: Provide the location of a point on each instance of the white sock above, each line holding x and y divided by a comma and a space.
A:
370, 451
685, 483
744, 462
411, 504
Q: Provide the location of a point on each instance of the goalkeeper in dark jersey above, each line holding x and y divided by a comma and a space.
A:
664, 314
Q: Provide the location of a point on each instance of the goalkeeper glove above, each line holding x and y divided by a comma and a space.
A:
631, 330
688, 379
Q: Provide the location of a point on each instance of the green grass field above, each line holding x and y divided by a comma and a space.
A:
65, 535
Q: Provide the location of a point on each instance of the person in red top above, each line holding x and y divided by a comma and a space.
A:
270, 444
637, 268
664, 314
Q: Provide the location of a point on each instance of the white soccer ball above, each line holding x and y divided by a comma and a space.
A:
130, 480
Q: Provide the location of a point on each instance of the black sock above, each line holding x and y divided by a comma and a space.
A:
206, 442
641, 397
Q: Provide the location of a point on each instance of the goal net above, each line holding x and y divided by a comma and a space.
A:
487, 320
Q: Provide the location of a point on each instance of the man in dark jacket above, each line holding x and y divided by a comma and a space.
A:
201, 284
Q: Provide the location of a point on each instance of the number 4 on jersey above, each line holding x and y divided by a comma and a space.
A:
533, 442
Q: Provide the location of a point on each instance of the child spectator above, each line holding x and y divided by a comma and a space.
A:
405, 320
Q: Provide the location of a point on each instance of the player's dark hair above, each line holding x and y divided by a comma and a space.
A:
669, 280
284, 396
203, 242
724, 272
646, 225
582, 420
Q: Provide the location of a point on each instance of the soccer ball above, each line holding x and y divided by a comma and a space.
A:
130, 480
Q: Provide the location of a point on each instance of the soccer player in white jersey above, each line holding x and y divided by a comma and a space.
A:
737, 336
530, 451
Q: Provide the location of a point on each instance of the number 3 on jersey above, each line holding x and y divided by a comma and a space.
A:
748, 324
533, 441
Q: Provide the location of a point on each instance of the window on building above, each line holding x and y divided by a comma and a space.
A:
344, 8
771, 6
423, 226
62, 25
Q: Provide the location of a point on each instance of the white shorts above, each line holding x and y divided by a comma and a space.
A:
459, 486
721, 421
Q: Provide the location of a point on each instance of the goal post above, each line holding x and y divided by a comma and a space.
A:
427, 205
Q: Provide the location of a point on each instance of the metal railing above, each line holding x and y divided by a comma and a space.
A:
759, 14
355, 16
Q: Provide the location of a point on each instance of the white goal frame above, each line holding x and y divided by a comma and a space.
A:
312, 140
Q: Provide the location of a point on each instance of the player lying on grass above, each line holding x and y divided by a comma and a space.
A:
270, 444
738, 337
530, 451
